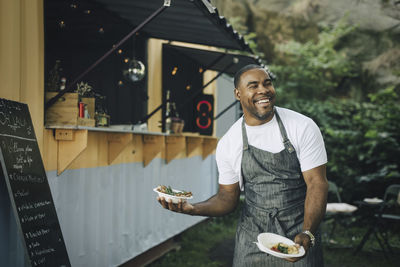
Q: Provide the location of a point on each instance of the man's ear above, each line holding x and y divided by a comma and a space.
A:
237, 94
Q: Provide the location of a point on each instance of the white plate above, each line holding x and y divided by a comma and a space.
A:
340, 208
374, 200
267, 240
167, 197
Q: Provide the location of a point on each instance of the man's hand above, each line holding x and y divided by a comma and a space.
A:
224, 202
301, 240
304, 240
181, 207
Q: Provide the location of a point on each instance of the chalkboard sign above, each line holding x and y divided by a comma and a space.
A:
28, 187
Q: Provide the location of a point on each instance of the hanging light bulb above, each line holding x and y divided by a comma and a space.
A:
135, 70
62, 24
175, 69
74, 4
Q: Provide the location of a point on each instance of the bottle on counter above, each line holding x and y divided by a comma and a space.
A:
168, 115
86, 112
175, 113
81, 107
176, 120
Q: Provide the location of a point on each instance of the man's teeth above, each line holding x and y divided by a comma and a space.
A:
262, 101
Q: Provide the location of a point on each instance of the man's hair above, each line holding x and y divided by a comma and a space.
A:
239, 73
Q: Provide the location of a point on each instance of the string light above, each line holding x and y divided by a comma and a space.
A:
188, 87
201, 70
101, 30
61, 24
87, 11
120, 51
120, 83
174, 70
73, 6
126, 60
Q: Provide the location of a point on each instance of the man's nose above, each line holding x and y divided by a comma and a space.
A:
263, 89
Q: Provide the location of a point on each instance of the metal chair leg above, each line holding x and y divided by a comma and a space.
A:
365, 238
381, 244
385, 237
332, 230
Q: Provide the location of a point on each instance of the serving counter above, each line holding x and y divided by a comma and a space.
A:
127, 145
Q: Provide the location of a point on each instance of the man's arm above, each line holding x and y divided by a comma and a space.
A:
316, 198
315, 204
224, 202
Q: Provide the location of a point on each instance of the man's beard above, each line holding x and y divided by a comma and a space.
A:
264, 116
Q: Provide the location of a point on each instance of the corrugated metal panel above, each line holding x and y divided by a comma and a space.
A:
108, 215
192, 21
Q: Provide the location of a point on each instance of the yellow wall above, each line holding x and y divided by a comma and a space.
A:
154, 82
22, 57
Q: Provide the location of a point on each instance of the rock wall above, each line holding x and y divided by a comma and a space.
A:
376, 42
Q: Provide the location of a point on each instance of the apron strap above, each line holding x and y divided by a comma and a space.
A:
286, 142
244, 136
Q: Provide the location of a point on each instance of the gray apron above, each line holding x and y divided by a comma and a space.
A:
275, 192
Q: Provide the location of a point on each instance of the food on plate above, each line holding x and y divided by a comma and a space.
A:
168, 190
284, 248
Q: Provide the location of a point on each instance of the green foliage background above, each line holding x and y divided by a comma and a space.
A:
361, 135
315, 70
362, 141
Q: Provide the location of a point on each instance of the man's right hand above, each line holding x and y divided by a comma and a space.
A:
224, 202
181, 207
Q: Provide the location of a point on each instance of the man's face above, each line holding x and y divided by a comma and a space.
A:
257, 96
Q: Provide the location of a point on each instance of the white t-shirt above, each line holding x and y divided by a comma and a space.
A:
302, 132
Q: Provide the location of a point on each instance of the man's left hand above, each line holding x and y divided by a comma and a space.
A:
301, 240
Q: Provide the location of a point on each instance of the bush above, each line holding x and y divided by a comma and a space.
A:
362, 141
362, 138
315, 70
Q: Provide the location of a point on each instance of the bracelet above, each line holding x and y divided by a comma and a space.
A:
311, 236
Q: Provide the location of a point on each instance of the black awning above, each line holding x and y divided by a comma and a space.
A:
191, 21
214, 60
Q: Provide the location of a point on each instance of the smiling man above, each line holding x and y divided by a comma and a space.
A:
254, 90
277, 157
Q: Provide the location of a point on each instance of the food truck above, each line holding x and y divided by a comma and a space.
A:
123, 97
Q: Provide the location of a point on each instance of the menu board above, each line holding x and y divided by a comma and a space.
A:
28, 187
